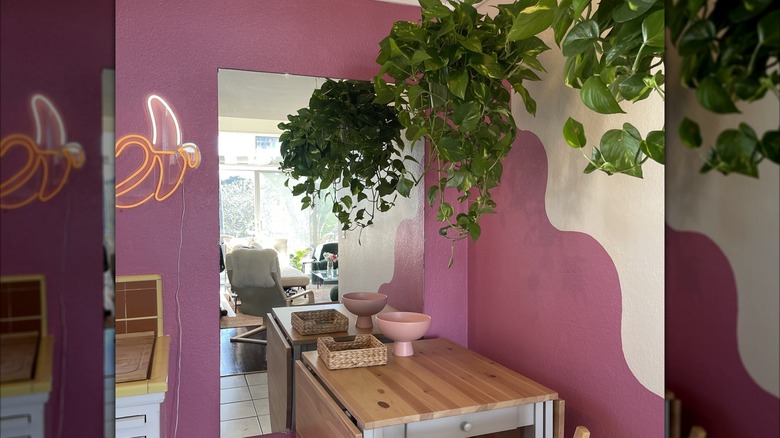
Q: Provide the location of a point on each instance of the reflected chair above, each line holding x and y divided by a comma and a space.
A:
254, 276
319, 263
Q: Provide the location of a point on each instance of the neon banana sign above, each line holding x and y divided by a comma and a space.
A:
39, 168
157, 166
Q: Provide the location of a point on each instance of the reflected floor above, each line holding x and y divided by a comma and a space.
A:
243, 405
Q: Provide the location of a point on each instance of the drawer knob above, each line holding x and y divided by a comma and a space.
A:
465, 426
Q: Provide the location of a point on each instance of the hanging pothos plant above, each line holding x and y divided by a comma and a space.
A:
449, 73
347, 147
613, 53
729, 54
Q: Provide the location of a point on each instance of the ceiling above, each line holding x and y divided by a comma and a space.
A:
264, 96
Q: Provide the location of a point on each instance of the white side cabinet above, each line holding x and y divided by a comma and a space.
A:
23, 415
138, 415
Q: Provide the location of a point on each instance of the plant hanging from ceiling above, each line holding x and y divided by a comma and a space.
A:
729, 54
614, 53
347, 147
449, 74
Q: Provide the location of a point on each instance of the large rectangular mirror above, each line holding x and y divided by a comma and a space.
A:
257, 210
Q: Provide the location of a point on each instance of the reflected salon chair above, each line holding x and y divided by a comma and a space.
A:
254, 276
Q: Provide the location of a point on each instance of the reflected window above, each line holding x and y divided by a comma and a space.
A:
254, 202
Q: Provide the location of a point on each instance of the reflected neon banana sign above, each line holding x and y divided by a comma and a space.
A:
38, 168
157, 166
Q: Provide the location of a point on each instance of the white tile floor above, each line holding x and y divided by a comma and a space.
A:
243, 405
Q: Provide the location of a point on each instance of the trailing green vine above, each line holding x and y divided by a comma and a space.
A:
347, 147
449, 72
614, 53
729, 54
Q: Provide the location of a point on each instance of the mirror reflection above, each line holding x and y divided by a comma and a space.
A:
262, 224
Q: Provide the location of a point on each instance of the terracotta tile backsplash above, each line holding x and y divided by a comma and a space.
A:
20, 306
136, 306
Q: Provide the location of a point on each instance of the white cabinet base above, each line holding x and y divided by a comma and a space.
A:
139, 415
23, 415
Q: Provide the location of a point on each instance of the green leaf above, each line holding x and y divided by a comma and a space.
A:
383, 92
711, 95
474, 230
653, 29
532, 20
653, 147
528, 101
457, 82
578, 6
735, 149
689, 133
419, 56
769, 30
436, 11
445, 212
596, 96
620, 150
631, 9
404, 187
634, 88
486, 65
697, 38
467, 115
770, 146
583, 36
432, 191
574, 133
471, 43
562, 21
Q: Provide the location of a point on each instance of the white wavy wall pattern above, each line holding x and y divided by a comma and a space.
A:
624, 214
740, 214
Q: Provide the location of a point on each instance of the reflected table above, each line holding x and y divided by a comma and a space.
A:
321, 277
285, 346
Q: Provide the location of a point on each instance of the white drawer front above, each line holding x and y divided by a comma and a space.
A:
477, 423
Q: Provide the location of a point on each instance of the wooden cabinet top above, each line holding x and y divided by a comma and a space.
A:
441, 379
284, 317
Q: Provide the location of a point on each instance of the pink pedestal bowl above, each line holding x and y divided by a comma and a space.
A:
364, 305
403, 328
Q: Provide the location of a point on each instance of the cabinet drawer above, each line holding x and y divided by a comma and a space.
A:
476, 423
316, 414
15, 422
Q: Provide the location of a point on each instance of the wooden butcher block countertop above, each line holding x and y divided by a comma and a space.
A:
18, 358
133, 353
441, 379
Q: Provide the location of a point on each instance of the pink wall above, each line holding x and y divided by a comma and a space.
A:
703, 365
175, 51
547, 304
59, 49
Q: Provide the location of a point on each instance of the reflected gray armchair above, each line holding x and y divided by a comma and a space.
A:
254, 276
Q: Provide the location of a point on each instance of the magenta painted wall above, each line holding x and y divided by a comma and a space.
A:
59, 49
703, 366
547, 304
175, 50
446, 289
405, 291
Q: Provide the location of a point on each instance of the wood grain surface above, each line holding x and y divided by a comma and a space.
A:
18, 356
133, 352
317, 415
440, 380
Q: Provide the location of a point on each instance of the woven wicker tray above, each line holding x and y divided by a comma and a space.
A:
364, 351
314, 322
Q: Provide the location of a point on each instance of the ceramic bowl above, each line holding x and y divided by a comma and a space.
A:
364, 305
403, 328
